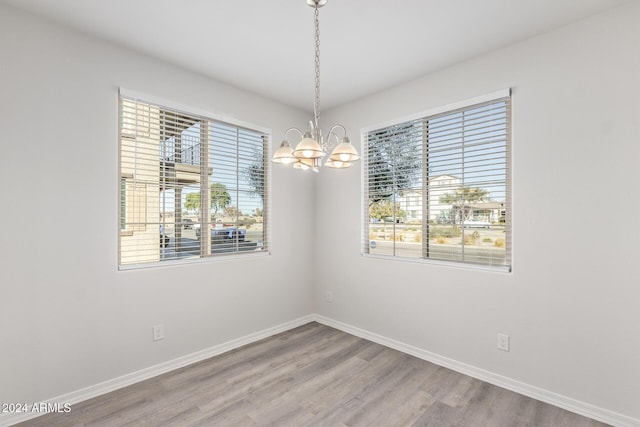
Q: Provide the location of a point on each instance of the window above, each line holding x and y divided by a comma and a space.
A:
191, 185
458, 160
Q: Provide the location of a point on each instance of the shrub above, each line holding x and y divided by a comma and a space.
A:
246, 222
500, 243
448, 232
417, 238
487, 240
470, 239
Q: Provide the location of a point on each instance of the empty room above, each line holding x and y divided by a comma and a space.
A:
320, 213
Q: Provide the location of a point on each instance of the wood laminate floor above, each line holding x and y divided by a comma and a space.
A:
313, 375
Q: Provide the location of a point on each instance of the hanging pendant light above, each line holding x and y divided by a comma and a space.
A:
284, 154
344, 152
308, 148
312, 147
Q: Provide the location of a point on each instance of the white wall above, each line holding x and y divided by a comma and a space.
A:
68, 318
571, 303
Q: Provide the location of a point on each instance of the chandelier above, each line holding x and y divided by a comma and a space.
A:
312, 147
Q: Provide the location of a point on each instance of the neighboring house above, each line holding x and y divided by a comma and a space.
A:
410, 201
490, 211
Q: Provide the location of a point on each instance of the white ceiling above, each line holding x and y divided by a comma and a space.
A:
266, 46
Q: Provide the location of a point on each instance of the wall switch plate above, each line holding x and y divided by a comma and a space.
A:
503, 342
158, 332
329, 296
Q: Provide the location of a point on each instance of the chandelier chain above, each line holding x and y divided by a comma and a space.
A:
316, 103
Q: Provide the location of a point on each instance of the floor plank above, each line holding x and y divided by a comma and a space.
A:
313, 375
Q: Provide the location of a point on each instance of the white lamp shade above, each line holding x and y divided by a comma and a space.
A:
344, 152
337, 164
284, 154
308, 148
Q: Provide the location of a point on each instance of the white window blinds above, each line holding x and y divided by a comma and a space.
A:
437, 187
191, 186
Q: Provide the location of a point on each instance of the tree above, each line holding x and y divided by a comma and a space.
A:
254, 173
385, 209
460, 198
394, 160
231, 211
192, 202
220, 197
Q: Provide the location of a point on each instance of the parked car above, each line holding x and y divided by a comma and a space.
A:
476, 223
226, 234
222, 231
187, 223
397, 220
229, 239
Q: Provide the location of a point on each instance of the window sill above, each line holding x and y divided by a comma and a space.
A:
196, 260
442, 263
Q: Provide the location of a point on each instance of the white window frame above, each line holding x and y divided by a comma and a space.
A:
426, 115
125, 177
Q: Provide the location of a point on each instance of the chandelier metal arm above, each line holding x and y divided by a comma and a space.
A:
328, 145
338, 126
293, 128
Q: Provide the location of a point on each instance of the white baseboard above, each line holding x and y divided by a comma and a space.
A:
8, 419
582, 408
576, 406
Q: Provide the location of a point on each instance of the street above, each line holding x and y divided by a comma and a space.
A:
482, 250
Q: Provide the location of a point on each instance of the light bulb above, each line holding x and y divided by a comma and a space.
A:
345, 157
307, 153
287, 160
337, 163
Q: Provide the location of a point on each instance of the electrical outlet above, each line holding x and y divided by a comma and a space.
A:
503, 342
158, 332
329, 296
